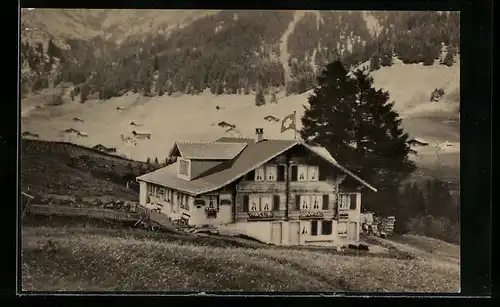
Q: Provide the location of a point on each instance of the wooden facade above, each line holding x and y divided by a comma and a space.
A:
295, 196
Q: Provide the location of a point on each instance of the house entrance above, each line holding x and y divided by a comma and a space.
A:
276, 233
294, 233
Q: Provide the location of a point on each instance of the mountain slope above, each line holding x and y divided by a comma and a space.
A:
195, 117
232, 51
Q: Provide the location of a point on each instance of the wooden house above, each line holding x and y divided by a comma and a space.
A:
225, 125
417, 142
27, 134
135, 124
103, 148
271, 118
82, 134
70, 131
141, 134
278, 191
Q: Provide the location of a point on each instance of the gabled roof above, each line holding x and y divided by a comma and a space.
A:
209, 150
254, 155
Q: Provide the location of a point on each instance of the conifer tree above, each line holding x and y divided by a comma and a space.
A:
259, 98
375, 63
359, 126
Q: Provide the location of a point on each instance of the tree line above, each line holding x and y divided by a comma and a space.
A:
237, 52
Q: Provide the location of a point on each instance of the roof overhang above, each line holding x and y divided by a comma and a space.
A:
332, 162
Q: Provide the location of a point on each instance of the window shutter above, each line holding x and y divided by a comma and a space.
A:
353, 198
294, 173
326, 201
281, 173
314, 228
276, 202
327, 228
321, 175
251, 175
245, 203
297, 202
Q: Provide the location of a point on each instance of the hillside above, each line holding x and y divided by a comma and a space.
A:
53, 169
97, 259
195, 117
110, 52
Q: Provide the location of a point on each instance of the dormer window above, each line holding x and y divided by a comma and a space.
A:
183, 168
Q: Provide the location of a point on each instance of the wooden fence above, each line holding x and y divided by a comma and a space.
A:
99, 213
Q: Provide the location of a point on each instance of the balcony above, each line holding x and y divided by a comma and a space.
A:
310, 214
261, 216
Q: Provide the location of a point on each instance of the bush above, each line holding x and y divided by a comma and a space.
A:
439, 228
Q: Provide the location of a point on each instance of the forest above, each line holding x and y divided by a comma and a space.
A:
237, 52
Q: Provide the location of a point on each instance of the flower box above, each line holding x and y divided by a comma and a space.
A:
211, 209
310, 214
260, 215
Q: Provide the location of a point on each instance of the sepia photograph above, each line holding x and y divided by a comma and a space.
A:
239, 151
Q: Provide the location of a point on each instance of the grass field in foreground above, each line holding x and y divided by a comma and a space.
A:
94, 259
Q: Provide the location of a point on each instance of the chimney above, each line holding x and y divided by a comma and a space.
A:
259, 134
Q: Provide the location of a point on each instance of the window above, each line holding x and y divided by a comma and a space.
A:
213, 203
297, 202
161, 193
344, 201
326, 201
314, 228
184, 202
305, 202
259, 174
265, 203
254, 203
183, 167
326, 228
302, 171
316, 202
281, 172
342, 228
313, 172
271, 173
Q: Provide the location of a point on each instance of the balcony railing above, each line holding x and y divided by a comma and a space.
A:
310, 214
260, 215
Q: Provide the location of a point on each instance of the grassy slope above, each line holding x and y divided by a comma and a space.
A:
93, 259
45, 170
195, 117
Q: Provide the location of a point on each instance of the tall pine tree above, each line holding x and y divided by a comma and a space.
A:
359, 126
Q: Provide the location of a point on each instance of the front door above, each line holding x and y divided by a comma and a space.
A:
352, 231
294, 233
276, 233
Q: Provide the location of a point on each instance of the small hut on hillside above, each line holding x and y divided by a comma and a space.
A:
417, 142
271, 118
103, 148
27, 134
225, 125
140, 134
82, 134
